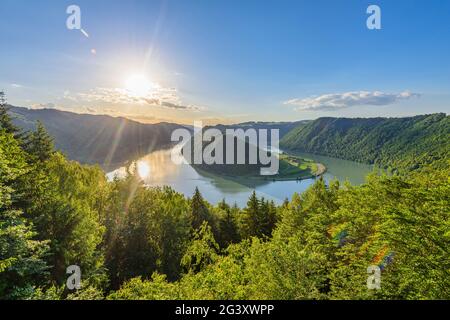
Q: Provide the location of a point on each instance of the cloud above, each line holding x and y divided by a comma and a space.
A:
109, 110
171, 105
159, 97
16, 85
349, 99
44, 106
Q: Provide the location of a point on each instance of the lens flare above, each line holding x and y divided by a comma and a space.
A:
143, 169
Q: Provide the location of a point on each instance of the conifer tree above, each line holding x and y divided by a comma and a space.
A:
21, 256
251, 217
263, 218
199, 211
5, 119
228, 225
40, 143
202, 251
272, 215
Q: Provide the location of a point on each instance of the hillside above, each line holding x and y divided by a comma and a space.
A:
98, 139
90, 138
401, 143
283, 127
290, 167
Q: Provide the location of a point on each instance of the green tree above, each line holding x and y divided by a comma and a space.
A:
6, 122
199, 210
155, 289
22, 262
251, 219
147, 230
272, 216
228, 225
203, 250
64, 201
39, 143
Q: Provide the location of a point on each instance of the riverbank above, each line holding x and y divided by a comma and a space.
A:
292, 168
236, 188
321, 169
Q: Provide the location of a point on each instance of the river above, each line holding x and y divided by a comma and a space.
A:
157, 169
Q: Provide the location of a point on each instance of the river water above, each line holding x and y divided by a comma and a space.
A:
157, 169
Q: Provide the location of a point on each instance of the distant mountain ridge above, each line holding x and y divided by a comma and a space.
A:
400, 143
284, 127
97, 139
112, 141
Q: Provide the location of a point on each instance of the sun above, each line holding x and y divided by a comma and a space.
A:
138, 85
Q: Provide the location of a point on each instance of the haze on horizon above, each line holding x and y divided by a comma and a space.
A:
227, 61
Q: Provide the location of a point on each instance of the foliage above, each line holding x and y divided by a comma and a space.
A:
21, 256
147, 230
135, 242
397, 143
6, 122
404, 219
202, 251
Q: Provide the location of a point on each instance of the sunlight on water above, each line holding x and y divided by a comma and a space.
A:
158, 169
153, 168
143, 169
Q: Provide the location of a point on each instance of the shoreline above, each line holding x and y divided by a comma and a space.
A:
321, 170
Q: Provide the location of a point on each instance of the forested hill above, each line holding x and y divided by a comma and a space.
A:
132, 241
400, 143
283, 127
100, 139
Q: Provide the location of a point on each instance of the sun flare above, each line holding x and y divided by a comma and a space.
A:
138, 85
143, 169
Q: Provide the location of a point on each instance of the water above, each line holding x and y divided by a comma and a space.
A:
157, 169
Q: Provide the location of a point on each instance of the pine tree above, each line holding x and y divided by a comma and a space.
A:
285, 203
199, 211
263, 218
272, 215
5, 119
228, 226
21, 256
251, 217
223, 205
40, 143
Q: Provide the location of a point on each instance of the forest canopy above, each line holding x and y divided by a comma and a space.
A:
400, 144
135, 242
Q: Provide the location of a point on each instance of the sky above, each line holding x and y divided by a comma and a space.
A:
229, 61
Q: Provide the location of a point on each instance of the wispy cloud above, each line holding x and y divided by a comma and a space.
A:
158, 97
16, 85
338, 101
49, 105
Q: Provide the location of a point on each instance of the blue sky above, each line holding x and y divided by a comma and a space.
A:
228, 61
